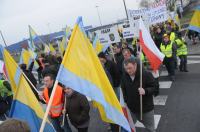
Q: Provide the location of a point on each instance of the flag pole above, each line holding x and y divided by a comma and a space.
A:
32, 85
48, 107
141, 82
185, 34
63, 121
29, 81
111, 48
3, 38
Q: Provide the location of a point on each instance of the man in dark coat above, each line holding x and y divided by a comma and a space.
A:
118, 57
132, 90
77, 108
111, 67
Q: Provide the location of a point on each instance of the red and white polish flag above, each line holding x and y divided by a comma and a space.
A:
153, 54
127, 113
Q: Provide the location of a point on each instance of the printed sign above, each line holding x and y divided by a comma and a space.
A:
108, 35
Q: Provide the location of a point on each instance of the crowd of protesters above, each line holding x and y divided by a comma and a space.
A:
123, 71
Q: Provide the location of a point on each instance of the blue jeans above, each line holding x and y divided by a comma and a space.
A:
56, 122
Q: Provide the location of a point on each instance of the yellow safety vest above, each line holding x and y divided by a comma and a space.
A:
182, 48
4, 92
166, 49
172, 36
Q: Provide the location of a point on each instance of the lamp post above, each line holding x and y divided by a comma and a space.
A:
125, 9
98, 15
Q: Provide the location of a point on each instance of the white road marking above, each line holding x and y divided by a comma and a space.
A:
156, 120
193, 61
195, 56
160, 100
165, 84
163, 73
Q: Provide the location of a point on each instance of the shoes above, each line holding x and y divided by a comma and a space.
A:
186, 71
181, 70
172, 78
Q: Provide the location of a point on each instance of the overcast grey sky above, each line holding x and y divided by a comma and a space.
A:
16, 15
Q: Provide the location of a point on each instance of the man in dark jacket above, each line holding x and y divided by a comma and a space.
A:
118, 57
132, 90
158, 37
111, 67
77, 108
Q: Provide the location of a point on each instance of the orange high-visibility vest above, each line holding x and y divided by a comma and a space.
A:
57, 104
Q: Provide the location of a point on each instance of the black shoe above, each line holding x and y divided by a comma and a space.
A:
172, 78
181, 70
186, 71
156, 93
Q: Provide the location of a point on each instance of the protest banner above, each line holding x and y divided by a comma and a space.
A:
108, 35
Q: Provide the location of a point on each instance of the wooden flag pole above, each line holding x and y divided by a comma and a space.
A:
29, 82
141, 82
48, 106
63, 121
185, 34
111, 48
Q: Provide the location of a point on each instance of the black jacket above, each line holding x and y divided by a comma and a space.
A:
131, 94
158, 37
119, 60
111, 67
77, 108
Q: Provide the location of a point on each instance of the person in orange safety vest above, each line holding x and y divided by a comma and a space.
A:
55, 113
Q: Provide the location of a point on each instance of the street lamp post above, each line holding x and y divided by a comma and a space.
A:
98, 15
125, 9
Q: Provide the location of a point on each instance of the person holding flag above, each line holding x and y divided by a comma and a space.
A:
55, 113
130, 85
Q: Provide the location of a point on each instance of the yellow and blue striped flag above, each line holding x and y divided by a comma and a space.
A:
195, 21
82, 71
33, 36
25, 106
67, 32
52, 48
25, 58
46, 48
61, 45
97, 45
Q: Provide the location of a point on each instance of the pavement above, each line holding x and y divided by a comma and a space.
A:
193, 49
181, 112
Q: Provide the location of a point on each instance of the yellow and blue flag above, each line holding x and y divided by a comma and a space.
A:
97, 45
195, 22
26, 57
82, 71
33, 36
67, 32
61, 45
52, 48
34, 56
46, 48
25, 106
